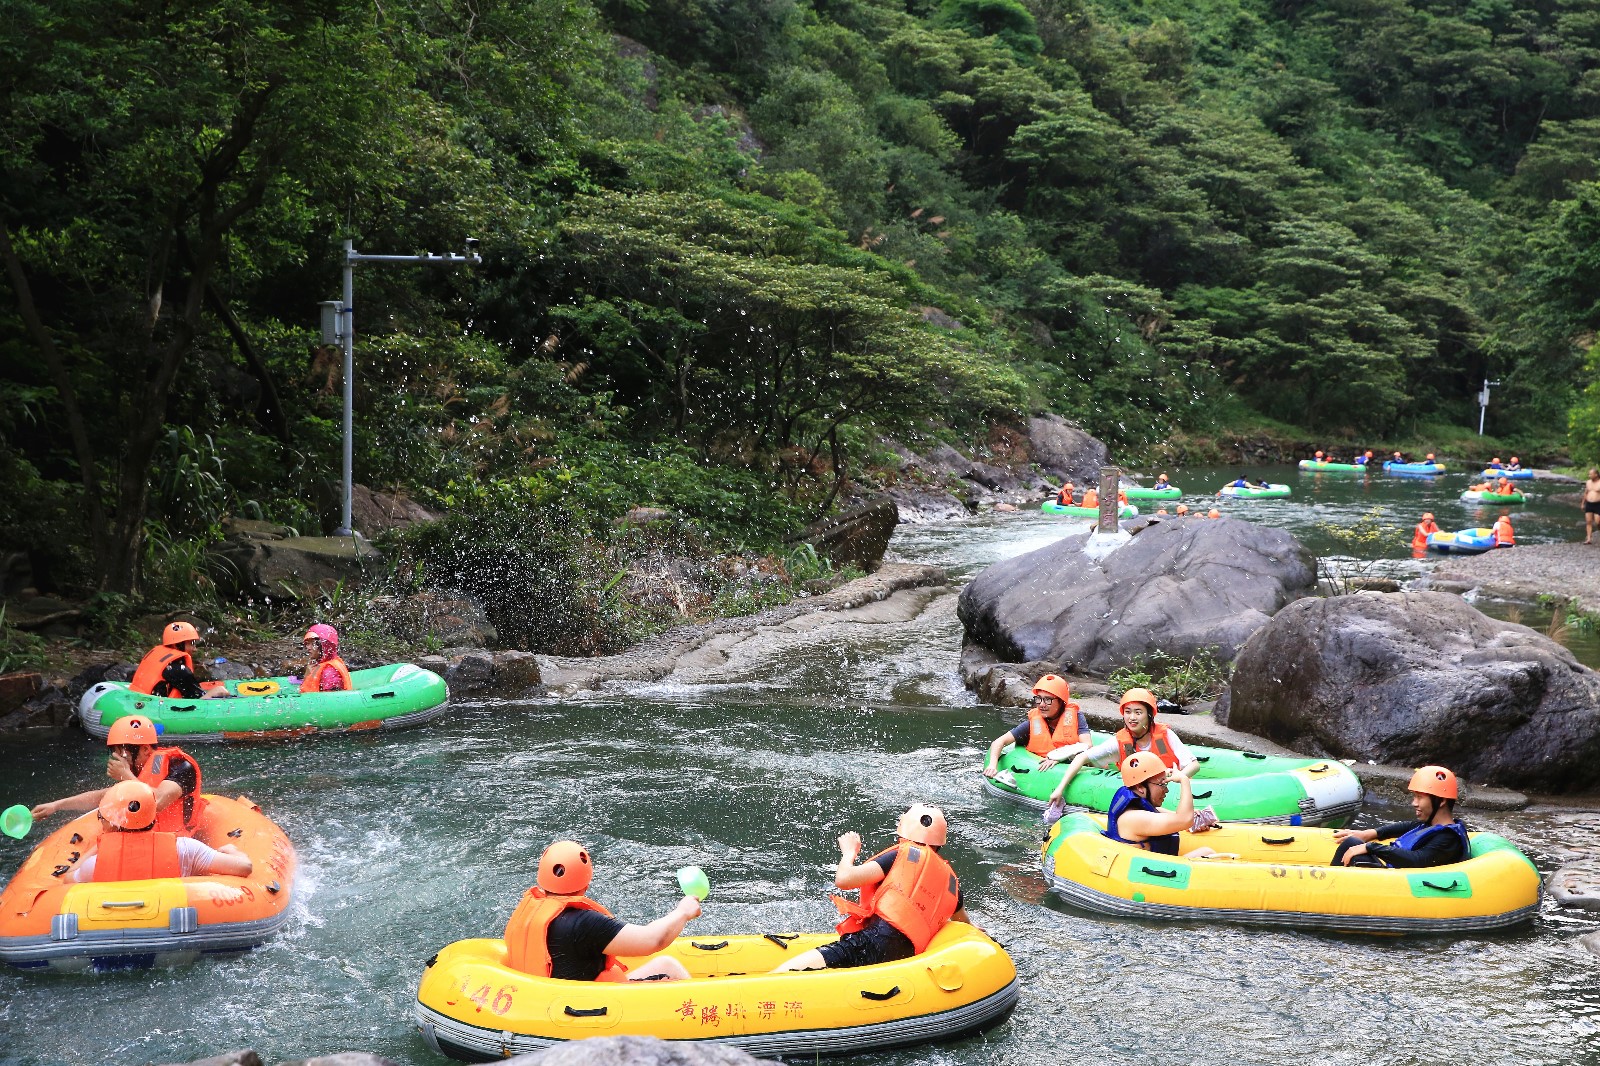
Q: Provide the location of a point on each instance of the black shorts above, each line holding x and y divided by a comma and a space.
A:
878, 942
1591, 506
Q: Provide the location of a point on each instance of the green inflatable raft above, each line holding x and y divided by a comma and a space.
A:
384, 697
1052, 507
1482, 496
1273, 491
1342, 468
1146, 492
1241, 786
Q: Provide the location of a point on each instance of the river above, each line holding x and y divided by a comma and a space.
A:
411, 840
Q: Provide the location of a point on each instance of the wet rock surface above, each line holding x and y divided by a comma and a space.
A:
1421, 677
857, 536
448, 619
1062, 450
1180, 587
1528, 571
284, 569
1577, 884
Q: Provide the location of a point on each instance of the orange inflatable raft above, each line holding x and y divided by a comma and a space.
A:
49, 922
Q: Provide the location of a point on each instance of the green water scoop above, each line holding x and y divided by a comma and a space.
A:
692, 882
16, 820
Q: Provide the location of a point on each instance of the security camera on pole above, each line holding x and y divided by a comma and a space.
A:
1483, 402
339, 327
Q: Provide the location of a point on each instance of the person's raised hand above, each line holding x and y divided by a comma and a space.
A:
850, 845
689, 907
117, 768
44, 810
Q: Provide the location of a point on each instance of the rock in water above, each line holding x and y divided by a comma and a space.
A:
1062, 450
638, 1051
1177, 587
1421, 677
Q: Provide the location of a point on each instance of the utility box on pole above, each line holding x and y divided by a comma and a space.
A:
1110, 505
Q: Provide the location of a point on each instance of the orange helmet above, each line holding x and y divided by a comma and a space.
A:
1213, 513
1430, 457
132, 730
1140, 767
1183, 508
1319, 455
1139, 695
1427, 516
129, 805
175, 633
1514, 459
565, 869
1434, 781
924, 824
1496, 459
1052, 685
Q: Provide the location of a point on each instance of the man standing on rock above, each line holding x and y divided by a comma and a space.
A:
1591, 504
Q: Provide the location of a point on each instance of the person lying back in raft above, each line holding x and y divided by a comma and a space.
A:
1136, 816
908, 893
1436, 838
1263, 484
167, 670
171, 772
1055, 729
1241, 483
325, 671
557, 931
1140, 732
131, 848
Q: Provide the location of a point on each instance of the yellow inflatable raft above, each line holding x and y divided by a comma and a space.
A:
49, 922
470, 1006
1281, 876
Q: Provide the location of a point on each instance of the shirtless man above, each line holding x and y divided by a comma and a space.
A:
1591, 504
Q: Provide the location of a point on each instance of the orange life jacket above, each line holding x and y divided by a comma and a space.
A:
1502, 532
136, 856
1091, 498
178, 817
313, 680
527, 933
917, 897
1158, 743
1042, 740
1419, 539
155, 661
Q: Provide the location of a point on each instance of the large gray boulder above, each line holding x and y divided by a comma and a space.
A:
293, 567
1179, 586
856, 537
1062, 450
1413, 678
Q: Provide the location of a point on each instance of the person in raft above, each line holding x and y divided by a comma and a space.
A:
558, 931
1398, 458
1239, 483
1319, 457
1515, 464
1419, 536
1064, 494
908, 893
1364, 458
1055, 729
1436, 838
167, 670
1494, 464
1140, 732
324, 671
1136, 816
131, 848
1503, 535
1162, 484
171, 773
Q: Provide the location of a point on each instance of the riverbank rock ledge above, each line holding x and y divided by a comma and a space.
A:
1179, 587
1421, 677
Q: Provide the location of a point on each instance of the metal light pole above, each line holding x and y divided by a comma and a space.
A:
1483, 402
343, 322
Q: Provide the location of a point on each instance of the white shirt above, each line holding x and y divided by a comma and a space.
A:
194, 859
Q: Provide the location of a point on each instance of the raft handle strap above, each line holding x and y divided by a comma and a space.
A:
236, 833
121, 904
881, 996
382, 695
1204, 795
1252, 755
59, 870
431, 960
782, 939
74, 857
592, 1012
1320, 768
1277, 840
1158, 873
1451, 887
183, 707
1202, 758
274, 887
718, 946
75, 838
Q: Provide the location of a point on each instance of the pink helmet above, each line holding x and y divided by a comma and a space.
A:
327, 635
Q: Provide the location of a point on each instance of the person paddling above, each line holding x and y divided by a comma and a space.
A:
558, 931
1055, 728
1436, 838
908, 893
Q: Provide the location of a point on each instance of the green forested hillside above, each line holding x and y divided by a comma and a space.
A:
729, 243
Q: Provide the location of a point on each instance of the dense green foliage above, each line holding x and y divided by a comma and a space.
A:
726, 244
